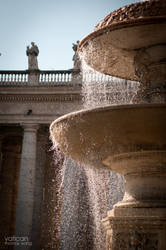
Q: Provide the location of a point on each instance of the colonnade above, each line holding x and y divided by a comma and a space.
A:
29, 181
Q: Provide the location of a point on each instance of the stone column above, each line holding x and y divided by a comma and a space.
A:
10, 166
25, 199
1, 139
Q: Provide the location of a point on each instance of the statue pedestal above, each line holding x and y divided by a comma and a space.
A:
136, 226
33, 77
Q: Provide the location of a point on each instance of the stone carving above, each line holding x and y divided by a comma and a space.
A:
76, 57
144, 241
141, 62
32, 54
136, 241
150, 68
137, 11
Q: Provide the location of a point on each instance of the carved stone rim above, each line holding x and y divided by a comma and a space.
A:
142, 9
105, 108
139, 204
120, 25
141, 162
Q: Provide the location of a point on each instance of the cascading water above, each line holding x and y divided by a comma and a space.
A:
105, 187
77, 221
99, 89
89, 193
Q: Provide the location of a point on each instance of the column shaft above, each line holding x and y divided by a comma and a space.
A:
1, 139
25, 199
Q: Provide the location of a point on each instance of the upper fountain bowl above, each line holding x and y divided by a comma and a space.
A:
117, 38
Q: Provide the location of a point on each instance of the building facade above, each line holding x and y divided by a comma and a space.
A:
29, 101
42, 207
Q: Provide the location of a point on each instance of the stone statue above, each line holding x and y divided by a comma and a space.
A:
76, 58
32, 54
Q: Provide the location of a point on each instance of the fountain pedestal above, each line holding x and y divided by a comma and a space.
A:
139, 221
138, 226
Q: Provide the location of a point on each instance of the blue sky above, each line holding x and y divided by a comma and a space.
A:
52, 24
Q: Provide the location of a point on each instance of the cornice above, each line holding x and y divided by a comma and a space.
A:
66, 89
40, 97
22, 118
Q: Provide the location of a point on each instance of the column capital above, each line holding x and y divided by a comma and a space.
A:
30, 127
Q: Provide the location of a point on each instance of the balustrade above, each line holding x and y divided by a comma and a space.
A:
48, 78
52, 77
14, 77
42, 78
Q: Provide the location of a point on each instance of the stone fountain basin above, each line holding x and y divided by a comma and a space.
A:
117, 136
116, 45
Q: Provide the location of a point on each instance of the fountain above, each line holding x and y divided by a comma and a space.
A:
128, 139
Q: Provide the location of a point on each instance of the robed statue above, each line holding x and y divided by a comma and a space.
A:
32, 53
76, 57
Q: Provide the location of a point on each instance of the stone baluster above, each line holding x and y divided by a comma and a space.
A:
25, 201
51, 78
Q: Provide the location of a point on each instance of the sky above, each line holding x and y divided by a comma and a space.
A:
52, 24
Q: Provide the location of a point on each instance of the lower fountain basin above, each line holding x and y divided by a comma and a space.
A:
116, 135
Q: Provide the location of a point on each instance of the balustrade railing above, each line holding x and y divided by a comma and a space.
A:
38, 78
48, 78
13, 77
55, 77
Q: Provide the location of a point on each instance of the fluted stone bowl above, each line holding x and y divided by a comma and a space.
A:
117, 38
116, 136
